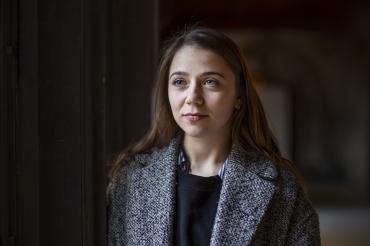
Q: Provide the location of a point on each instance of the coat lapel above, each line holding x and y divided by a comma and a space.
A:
248, 186
154, 187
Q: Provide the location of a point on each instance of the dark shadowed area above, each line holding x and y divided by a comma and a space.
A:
76, 81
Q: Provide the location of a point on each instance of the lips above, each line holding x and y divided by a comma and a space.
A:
194, 117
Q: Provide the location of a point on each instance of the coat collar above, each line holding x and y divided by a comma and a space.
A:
247, 188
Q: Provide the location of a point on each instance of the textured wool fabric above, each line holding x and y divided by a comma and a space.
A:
260, 203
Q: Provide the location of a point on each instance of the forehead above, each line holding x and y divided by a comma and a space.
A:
195, 58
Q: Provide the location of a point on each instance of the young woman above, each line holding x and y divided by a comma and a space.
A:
209, 171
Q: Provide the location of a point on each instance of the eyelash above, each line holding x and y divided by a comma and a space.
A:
180, 82
214, 82
175, 81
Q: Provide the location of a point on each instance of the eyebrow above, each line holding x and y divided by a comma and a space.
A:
203, 74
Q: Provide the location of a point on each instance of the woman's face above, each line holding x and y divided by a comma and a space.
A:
201, 91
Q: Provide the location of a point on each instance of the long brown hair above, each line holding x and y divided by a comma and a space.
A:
249, 125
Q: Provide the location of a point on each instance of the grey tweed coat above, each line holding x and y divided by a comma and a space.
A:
260, 204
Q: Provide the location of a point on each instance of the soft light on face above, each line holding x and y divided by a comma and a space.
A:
201, 91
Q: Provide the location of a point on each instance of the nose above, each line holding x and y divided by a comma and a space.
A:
194, 95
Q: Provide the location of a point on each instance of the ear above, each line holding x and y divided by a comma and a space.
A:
238, 104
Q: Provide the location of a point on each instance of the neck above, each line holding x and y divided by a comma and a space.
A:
207, 154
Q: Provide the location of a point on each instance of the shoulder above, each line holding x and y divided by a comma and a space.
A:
292, 190
290, 218
284, 177
154, 156
264, 167
303, 225
287, 183
293, 197
291, 207
289, 187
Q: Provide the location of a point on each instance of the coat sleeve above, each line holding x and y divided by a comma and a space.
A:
110, 215
304, 226
114, 208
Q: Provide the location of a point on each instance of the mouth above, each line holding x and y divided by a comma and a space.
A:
194, 117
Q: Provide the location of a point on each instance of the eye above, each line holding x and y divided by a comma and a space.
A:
210, 82
178, 82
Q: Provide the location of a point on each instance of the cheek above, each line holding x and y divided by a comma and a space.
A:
174, 101
222, 105
226, 110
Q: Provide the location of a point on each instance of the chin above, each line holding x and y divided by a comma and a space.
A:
195, 133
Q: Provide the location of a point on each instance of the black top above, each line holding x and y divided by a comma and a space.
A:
196, 206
